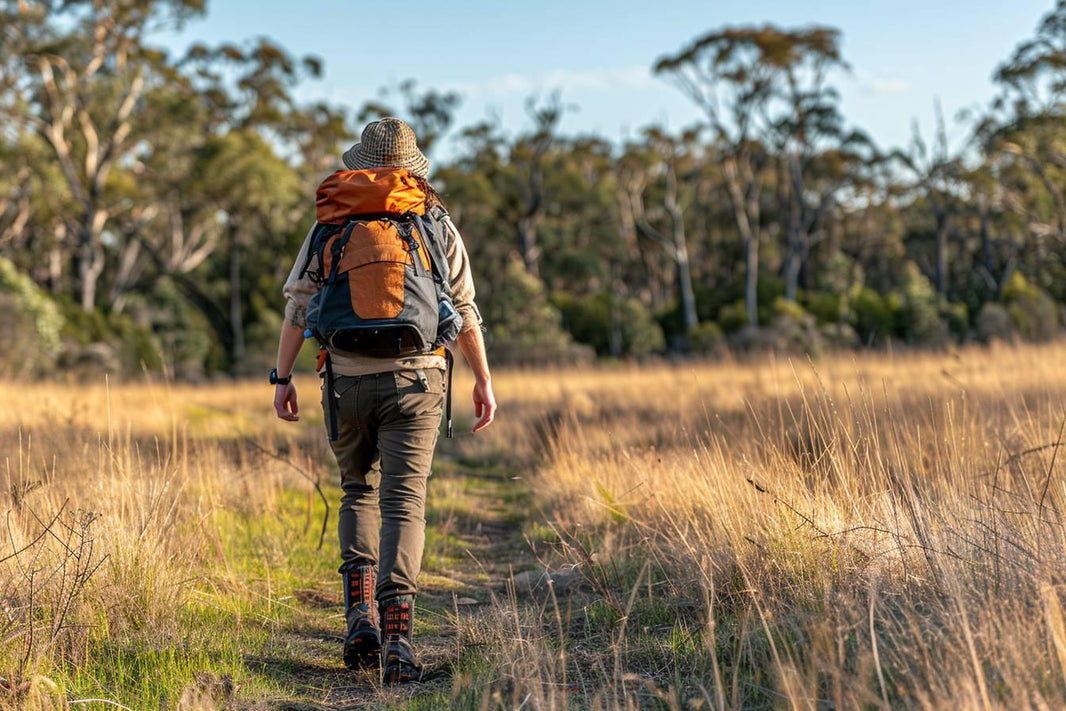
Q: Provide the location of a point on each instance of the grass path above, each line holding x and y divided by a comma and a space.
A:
475, 540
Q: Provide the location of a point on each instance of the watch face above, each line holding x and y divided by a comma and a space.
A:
274, 377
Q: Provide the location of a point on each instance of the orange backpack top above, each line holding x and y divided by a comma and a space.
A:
368, 192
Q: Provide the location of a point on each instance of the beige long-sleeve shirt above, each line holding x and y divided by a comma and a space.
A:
299, 288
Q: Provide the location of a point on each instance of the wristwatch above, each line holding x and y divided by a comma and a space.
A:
275, 380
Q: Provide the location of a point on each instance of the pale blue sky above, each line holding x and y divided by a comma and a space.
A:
904, 53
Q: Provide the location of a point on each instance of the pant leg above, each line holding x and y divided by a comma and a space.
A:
407, 434
356, 450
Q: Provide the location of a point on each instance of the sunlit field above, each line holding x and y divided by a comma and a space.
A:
858, 531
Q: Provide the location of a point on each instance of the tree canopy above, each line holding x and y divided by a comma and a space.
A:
155, 203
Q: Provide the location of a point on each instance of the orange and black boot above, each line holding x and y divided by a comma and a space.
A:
362, 645
398, 663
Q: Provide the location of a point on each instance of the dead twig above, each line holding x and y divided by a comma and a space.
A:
303, 475
1050, 469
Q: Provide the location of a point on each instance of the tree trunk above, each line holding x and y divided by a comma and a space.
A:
688, 296
527, 241
803, 279
614, 336
658, 284
748, 236
90, 257
987, 249
751, 280
943, 227
793, 262
236, 310
13, 232
55, 271
125, 274
55, 259
796, 238
684, 270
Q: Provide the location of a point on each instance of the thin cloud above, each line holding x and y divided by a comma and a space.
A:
880, 87
872, 84
565, 80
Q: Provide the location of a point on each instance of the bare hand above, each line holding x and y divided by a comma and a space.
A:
484, 404
285, 402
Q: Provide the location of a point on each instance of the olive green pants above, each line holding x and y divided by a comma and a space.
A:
387, 426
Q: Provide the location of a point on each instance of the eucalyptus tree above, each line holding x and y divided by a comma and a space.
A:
528, 155
1031, 108
674, 163
735, 75
815, 153
252, 194
480, 189
937, 181
1028, 135
84, 67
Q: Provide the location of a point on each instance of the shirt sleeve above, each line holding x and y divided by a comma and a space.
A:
462, 280
299, 288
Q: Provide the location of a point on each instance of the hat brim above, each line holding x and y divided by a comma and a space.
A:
355, 159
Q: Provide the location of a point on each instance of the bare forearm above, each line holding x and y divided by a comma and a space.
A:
472, 345
289, 343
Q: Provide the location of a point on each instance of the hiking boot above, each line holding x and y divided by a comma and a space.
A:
398, 662
362, 645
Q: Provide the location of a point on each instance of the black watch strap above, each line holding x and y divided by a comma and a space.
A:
275, 380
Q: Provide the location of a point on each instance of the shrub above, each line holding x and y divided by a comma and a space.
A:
706, 338
732, 317
957, 317
130, 345
524, 327
827, 308
46, 317
919, 315
783, 307
839, 274
786, 334
839, 335
994, 322
873, 316
1034, 312
182, 332
625, 328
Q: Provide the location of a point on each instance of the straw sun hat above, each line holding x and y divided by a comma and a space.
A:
388, 142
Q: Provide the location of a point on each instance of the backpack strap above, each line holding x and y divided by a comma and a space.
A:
319, 236
432, 231
431, 225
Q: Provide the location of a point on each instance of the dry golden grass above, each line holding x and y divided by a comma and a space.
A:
855, 532
865, 530
120, 505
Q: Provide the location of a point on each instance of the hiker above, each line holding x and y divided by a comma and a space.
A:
383, 282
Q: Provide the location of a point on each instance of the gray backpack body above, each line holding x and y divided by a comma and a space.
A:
383, 285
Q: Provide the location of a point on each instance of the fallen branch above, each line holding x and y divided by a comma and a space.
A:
304, 475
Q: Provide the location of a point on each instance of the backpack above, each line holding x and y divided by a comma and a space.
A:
378, 259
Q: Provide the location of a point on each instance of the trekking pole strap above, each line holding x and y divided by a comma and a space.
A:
331, 400
448, 396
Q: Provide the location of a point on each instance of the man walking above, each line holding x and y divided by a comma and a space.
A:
359, 284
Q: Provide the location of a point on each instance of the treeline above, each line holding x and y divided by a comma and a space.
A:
150, 205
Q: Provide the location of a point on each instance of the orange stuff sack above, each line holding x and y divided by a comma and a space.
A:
346, 193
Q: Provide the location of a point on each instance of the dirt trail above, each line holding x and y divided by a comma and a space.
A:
477, 540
